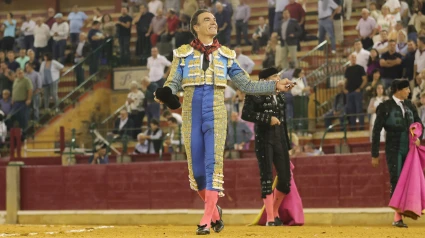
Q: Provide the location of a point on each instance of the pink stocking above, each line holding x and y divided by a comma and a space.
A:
397, 216
211, 198
268, 203
215, 216
278, 198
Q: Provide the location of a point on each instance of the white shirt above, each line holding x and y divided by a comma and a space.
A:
297, 90
28, 28
398, 102
62, 30
178, 117
362, 58
405, 6
153, 6
137, 104
156, 67
419, 60
380, 45
41, 35
122, 123
394, 4
246, 63
3, 132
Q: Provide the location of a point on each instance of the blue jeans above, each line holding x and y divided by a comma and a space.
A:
355, 106
327, 26
124, 42
75, 38
59, 50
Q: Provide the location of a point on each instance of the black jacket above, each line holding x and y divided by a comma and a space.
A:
126, 129
293, 28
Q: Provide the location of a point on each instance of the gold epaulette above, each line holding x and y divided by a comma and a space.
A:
226, 52
183, 51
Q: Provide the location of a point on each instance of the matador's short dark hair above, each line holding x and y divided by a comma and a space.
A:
194, 20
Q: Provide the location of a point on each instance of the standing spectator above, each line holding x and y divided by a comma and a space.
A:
224, 25
327, 9
134, 105
35, 63
348, 8
382, 45
154, 6
108, 26
50, 73
417, 20
50, 20
41, 37
374, 12
394, 7
37, 85
405, 12
124, 35
81, 51
9, 30
272, 58
6, 102
242, 15
409, 63
394, 34
157, 27
153, 135
123, 125
419, 56
22, 59
59, 31
171, 26
280, 6
338, 107
372, 64
152, 108
12, 64
246, 63
421, 109
183, 34
190, 7
300, 100
402, 43
202, 5
6, 78
27, 28
362, 55
156, 66
355, 82
76, 21
386, 21
297, 12
95, 38
272, 12
260, 36
379, 98
391, 65
238, 134
289, 34
142, 22
172, 4
366, 28
21, 99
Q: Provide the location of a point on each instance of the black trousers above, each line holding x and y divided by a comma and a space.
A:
8, 43
367, 43
275, 153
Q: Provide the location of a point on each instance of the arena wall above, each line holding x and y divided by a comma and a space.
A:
334, 181
2, 188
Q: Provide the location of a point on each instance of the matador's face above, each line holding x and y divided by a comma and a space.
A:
207, 25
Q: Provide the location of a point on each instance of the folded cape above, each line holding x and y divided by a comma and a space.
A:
166, 96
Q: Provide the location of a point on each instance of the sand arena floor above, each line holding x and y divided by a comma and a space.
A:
189, 231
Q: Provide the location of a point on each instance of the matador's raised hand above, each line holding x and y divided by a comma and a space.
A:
284, 85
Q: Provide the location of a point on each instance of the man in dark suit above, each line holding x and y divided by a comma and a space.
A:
123, 125
289, 33
80, 51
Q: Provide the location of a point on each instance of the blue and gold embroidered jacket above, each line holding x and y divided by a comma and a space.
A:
186, 71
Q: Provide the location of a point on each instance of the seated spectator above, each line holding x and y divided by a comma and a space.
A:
33, 61
11, 62
372, 64
421, 109
22, 59
260, 36
154, 137
338, 108
171, 26
157, 27
123, 125
370, 89
309, 150
402, 43
382, 45
379, 98
2, 56
238, 134
142, 145
412, 35
167, 114
134, 105
393, 35
6, 102
100, 156
174, 140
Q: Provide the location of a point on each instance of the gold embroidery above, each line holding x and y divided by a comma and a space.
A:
226, 52
187, 131
220, 126
183, 51
195, 63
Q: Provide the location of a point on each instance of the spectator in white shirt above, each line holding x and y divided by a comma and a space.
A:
60, 33
174, 139
156, 66
154, 6
3, 129
382, 45
395, 8
167, 114
366, 28
27, 28
41, 37
385, 21
362, 54
402, 43
135, 107
420, 56
405, 12
246, 63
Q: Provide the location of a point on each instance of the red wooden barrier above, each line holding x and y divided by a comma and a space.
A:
324, 182
2, 188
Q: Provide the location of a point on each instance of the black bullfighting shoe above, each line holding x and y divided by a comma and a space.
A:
203, 230
400, 224
270, 223
278, 222
218, 226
